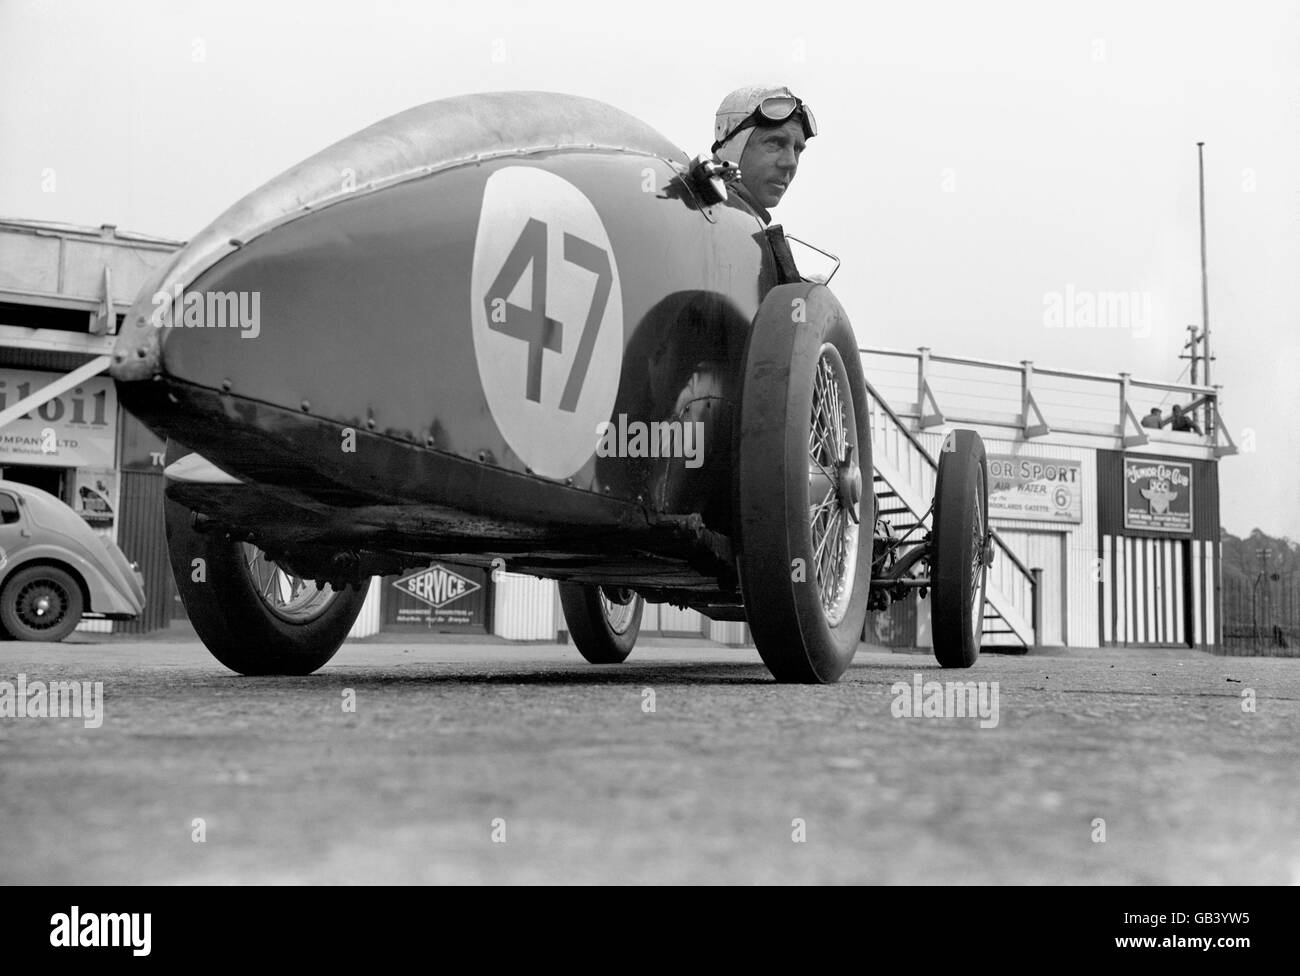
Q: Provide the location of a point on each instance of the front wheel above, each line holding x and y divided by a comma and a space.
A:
254, 616
959, 550
603, 620
803, 455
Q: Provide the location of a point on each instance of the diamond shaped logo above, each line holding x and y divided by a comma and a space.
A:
437, 586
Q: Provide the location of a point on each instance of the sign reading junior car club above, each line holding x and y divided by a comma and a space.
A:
1035, 488
1157, 495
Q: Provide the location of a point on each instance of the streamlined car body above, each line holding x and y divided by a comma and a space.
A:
54, 569
514, 329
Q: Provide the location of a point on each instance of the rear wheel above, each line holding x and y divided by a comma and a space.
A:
803, 454
959, 550
603, 620
254, 616
40, 603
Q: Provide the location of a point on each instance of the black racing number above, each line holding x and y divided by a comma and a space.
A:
532, 325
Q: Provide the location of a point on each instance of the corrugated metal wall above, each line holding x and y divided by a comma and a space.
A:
367, 623
1046, 551
664, 620
669, 621
733, 633
1067, 553
141, 536
524, 607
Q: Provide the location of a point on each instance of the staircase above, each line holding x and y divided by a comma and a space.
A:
905, 474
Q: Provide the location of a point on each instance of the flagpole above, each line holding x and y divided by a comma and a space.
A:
1205, 288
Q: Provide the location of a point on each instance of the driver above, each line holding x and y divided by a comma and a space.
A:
762, 129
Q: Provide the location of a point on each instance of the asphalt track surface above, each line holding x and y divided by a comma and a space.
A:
491, 763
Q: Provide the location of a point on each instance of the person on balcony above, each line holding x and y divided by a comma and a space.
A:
1183, 420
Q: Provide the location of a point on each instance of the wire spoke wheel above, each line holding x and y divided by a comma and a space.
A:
255, 616
604, 621
620, 608
834, 485
978, 566
285, 594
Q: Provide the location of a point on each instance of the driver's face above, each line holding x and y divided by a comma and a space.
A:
770, 159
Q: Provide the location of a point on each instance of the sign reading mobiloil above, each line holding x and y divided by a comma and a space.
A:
75, 429
1035, 488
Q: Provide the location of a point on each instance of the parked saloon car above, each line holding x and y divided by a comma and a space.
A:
430, 361
54, 570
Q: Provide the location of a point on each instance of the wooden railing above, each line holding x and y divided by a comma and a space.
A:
934, 390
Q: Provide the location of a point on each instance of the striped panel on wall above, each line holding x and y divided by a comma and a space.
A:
1158, 591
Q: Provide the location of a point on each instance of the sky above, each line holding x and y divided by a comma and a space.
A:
973, 160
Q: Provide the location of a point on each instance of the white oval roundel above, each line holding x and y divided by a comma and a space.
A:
547, 315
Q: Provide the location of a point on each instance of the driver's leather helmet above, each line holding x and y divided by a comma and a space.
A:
729, 143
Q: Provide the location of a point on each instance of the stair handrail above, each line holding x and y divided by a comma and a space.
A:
993, 533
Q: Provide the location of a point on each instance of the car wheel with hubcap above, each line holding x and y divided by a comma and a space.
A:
41, 603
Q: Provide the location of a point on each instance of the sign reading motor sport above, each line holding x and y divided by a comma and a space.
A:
438, 596
1035, 488
1157, 495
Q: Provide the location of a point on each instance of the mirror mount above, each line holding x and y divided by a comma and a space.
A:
708, 178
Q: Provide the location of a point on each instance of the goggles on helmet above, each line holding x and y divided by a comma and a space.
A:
775, 110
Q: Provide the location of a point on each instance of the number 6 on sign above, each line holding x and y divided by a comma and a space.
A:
548, 335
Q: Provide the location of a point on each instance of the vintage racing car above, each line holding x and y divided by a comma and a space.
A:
524, 330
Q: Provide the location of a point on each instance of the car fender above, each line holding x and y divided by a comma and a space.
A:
104, 593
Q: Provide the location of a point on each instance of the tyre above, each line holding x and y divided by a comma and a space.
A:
603, 620
803, 454
254, 616
959, 550
40, 603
